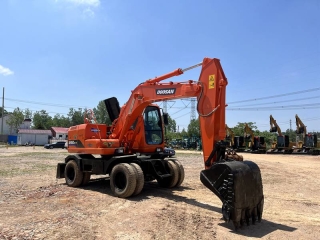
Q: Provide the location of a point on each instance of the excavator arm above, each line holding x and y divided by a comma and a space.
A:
210, 91
230, 135
274, 127
301, 128
249, 133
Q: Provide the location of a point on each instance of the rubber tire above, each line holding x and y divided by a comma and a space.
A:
72, 168
140, 178
86, 178
51, 147
181, 173
123, 180
174, 171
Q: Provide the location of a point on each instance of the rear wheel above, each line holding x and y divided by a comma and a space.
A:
86, 178
123, 180
73, 175
181, 173
174, 171
140, 178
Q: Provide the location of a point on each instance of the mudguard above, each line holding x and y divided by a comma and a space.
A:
238, 184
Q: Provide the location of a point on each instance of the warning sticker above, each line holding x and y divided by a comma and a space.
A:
211, 81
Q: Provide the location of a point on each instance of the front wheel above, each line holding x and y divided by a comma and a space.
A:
123, 180
73, 175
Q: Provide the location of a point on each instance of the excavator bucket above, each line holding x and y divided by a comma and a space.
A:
238, 184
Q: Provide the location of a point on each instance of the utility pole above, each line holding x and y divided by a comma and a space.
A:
193, 109
290, 126
165, 106
2, 117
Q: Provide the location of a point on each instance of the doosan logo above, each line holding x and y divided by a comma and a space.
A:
166, 91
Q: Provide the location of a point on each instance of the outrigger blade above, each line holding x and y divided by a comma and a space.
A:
239, 187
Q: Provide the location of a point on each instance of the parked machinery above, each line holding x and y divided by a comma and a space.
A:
229, 137
282, 145
254, 144
231, 146
236, 143
129, 150
308, 143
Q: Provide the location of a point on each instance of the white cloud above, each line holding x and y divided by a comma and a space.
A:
88, 12
5, 71
92, 3
87, 7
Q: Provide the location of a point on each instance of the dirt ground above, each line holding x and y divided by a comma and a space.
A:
35, 205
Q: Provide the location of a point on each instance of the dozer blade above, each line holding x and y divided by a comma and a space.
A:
239, 187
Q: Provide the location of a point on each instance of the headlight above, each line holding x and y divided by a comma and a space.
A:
119, 150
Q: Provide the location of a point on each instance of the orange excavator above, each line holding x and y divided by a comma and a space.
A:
130, 151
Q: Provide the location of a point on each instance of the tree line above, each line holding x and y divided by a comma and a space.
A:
42, 120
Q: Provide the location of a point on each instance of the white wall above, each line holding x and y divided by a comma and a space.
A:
6, 127
37, 139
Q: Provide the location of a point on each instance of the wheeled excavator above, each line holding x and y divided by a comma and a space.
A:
282, 145
256, 144
309, 142
129, 150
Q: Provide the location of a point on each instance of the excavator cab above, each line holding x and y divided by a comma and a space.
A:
153, 126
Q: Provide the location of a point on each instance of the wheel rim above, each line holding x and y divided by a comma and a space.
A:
120, 181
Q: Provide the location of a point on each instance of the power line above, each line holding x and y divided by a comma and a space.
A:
291, 100
287, 107
37, 110
279, 95
42, 103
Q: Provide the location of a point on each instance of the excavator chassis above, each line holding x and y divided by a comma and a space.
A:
238, 184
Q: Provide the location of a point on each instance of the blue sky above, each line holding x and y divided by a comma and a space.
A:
77, 52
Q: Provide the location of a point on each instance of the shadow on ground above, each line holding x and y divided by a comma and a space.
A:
152, 189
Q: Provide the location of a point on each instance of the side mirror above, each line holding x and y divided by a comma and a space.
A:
165, 119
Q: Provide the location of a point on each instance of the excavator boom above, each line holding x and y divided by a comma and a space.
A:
274, 127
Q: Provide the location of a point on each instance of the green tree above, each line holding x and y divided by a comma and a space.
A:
184, 133
170, 130
27, 113
194, 128
101, 114
60, 121
15, 120
239, 128
4, 112
292, 135
76, 117
42, 120
268, 137
172, 125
